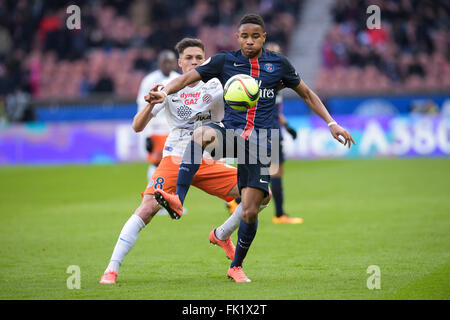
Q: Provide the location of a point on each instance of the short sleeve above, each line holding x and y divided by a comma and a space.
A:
212, 67
290, 78
158, 107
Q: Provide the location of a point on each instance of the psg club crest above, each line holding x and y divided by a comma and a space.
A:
207, 98
269, 67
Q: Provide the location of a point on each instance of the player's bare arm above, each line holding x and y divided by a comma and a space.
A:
316, 105
143, 117
175, 85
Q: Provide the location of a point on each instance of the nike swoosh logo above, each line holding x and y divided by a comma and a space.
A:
262, 181
106, 281
238, 65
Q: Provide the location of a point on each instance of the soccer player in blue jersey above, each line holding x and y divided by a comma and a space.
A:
250, 127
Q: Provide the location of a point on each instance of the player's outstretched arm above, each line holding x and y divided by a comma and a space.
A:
143, 117
175, 85
316, 105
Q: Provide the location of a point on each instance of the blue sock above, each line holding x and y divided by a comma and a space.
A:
246, 234
192, 159
277, 192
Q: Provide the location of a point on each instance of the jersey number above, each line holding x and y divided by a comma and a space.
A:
159, 183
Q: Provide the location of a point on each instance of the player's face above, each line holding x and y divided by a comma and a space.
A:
191, 58
251, 38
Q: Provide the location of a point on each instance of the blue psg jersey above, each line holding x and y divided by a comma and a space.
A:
268, 70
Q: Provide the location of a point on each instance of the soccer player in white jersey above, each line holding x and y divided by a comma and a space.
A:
194, 105
156, 132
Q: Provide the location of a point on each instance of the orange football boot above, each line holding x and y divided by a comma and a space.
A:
237, 275
286, 219
109, 278
170, 202
227, 244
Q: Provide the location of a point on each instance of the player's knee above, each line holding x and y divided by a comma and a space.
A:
250, 214
267, 198
204, 135
197, 135
148, 208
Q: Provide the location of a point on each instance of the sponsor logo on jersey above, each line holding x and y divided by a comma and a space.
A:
185, 95
184, 112
203, 116
212, 85
190, 98
266, 93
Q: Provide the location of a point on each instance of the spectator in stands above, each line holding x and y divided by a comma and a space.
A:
39, 26
6, 82
18, 106
412, 33
145, 60
104, 85
5, 41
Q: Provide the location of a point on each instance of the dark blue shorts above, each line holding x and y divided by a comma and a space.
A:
253, 158
280, 159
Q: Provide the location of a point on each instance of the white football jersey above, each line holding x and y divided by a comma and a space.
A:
159, 124
188, 109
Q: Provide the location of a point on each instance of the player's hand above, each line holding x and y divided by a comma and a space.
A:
157, 87
342, 135
291, 131
150, 98
156, 97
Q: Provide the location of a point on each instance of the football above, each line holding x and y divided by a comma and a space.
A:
241, 92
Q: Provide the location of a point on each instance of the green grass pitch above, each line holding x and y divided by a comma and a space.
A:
391, 213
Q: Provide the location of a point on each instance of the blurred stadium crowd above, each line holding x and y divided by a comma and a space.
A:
409, 53
118, 40
41, 58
